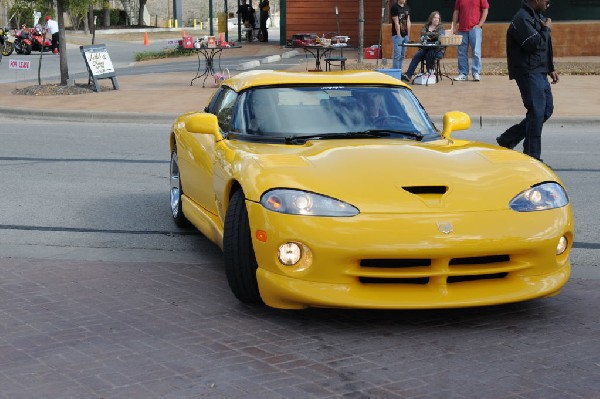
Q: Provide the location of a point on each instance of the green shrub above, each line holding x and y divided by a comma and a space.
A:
166, 53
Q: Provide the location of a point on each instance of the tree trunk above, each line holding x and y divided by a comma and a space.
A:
62, 44
91, 18
106, 8
361, 28
141, 12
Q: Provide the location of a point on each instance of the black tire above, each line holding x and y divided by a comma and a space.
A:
240, 261
7, 49
26, 49
176, 192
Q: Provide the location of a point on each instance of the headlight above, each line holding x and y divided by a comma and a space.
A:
296, 202
540, 198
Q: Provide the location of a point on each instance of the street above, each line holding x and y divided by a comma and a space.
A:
122, 55
103, 297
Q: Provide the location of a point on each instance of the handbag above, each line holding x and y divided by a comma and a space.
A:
219, 77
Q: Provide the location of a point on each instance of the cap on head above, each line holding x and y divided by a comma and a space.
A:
47, 17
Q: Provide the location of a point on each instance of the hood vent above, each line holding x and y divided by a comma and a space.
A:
420, 190
430, 195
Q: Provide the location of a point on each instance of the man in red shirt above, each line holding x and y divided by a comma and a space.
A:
467, 20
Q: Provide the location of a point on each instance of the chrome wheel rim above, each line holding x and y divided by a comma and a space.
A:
175, 185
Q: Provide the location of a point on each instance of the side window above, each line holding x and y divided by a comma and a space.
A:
210, 108
224, 107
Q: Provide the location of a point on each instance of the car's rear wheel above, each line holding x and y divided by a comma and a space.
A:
176, 192
240, 262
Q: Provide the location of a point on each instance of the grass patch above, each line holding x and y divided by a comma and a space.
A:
165, 53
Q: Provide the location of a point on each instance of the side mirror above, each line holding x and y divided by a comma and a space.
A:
202, 123
455, 120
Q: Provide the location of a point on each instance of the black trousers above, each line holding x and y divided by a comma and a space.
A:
263, 27
55, 41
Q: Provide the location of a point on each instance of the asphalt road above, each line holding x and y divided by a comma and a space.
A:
101, 296
104, 186
122, 55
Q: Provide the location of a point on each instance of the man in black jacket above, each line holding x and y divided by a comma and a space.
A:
264, 16
530, 62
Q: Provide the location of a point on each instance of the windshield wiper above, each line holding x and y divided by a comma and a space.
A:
348, 135
417, 135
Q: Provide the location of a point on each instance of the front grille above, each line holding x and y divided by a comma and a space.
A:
461, 279
479, 260
395, 263
376, 280
413, 271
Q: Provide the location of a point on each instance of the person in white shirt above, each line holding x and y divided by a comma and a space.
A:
52, 27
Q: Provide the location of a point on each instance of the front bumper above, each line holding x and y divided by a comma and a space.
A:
406, 261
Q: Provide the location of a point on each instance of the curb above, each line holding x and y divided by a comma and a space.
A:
87, 116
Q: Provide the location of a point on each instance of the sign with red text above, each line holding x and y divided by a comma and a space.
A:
19, 64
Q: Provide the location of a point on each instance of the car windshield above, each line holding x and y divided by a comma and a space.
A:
328, 112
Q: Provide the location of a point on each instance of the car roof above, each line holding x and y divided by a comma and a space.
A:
256, 78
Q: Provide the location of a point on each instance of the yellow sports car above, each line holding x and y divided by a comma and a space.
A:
337, 190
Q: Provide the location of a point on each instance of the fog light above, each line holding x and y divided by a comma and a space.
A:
563, 243
290, 253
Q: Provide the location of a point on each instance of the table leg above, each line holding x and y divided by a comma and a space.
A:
210, 63
206, 69
318, 61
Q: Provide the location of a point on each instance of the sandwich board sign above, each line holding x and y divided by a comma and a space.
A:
99, 65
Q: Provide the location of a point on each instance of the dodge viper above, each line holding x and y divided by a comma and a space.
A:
336, 189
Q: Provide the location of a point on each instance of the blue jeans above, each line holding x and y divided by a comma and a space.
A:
537, 99
429, 55
471, 39
399, 51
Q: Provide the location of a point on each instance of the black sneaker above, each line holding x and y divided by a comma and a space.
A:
405, 78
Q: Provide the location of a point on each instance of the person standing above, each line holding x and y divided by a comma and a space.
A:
530, 62
52, 27
264, 15
246, 13
467, 20
400, 14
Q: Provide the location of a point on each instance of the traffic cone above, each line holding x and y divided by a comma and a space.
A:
146, 41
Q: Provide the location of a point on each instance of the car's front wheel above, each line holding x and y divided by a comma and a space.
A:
240, 262
176, 192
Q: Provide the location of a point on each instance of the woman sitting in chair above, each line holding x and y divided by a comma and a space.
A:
430, 33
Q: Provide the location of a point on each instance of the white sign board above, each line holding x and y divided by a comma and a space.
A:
19, 64
99, 64
99, 61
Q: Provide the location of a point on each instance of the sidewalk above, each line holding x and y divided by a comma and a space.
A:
161, 97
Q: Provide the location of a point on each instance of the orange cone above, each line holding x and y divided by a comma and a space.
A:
146, 41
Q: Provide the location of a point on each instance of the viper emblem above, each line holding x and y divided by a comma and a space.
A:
445, 227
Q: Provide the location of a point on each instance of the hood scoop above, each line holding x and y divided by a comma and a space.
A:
430, 195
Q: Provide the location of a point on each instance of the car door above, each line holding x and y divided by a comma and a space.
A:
199, 158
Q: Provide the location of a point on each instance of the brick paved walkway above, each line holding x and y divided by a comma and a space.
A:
86, 329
